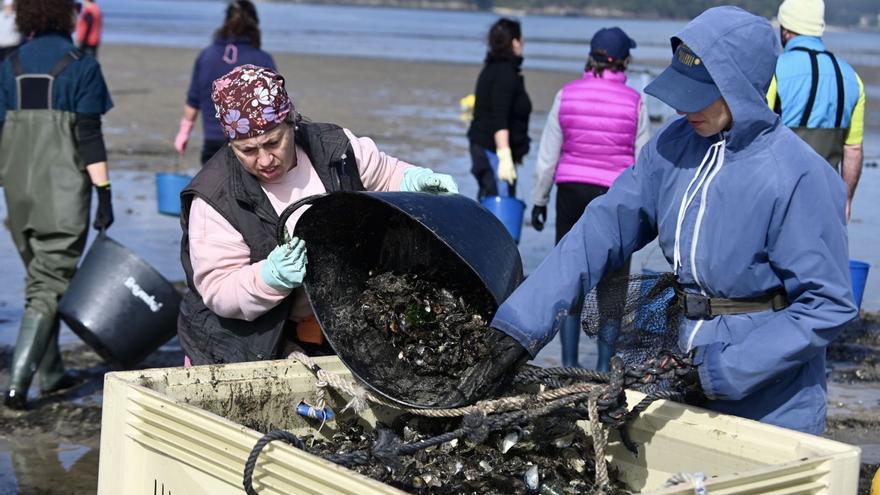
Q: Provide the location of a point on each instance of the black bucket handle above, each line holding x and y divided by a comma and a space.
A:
281, 227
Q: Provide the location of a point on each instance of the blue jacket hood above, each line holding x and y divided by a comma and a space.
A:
739, 49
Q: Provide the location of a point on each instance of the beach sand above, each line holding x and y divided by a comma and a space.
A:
399, 104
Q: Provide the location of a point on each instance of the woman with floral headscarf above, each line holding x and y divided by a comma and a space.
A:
246, 300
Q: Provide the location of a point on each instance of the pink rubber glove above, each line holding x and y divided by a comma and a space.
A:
182, 137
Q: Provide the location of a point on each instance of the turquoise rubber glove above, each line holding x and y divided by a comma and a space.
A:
285, 267
419, 179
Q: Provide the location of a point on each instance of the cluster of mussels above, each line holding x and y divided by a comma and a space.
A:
550, 456
430, 327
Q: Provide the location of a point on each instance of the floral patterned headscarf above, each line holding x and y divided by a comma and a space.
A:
250, 101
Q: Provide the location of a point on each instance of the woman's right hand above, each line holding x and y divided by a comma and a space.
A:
285, 267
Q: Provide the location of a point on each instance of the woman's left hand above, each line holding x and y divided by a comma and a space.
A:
418, 179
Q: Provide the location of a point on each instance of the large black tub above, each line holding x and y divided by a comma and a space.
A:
446, 238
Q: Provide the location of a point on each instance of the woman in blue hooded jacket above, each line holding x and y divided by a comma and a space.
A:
744, 211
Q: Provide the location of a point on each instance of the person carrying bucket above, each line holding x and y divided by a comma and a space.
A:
236, 42
52, 154
748, 215
246, 301
594, 130
498, 133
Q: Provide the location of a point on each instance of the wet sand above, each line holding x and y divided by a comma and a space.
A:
410, 109
397, 103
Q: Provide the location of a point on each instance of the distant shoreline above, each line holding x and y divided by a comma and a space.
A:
550, 10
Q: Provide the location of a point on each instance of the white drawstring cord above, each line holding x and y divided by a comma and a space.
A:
688, 197
702, 211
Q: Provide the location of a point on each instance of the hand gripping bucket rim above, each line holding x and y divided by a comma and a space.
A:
426, 234
119, 305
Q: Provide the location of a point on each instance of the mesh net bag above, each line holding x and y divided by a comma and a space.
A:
639, 312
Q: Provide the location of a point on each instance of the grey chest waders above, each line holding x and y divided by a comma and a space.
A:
826, 142
47, 194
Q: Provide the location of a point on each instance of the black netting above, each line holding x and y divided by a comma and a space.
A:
637, 315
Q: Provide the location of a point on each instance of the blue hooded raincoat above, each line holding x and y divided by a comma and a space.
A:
738, 215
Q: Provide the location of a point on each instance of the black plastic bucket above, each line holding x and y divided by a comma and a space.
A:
119, 305
442, 237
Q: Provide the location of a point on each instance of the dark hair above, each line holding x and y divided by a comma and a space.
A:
599, 60
501, 36
42, 16
241, 22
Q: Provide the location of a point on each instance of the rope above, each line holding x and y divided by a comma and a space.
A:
533, 374
251, 462
359, 395
600, 442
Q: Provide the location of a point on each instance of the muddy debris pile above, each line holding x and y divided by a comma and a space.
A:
418, 336
549, 456
432, 328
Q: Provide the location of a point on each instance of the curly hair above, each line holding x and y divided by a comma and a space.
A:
41, 16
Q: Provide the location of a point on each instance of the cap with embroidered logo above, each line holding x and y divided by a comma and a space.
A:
686, 84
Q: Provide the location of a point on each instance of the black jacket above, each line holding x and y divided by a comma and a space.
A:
236, 194
502, 103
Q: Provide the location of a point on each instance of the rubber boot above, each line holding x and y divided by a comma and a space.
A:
53, 376
569, 336
33, 337
606, 343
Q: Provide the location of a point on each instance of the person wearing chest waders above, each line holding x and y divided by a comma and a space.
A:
51, 156
246, 301
750, 219
594, 130
818, 94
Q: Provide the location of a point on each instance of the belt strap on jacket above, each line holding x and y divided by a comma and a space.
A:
698, 306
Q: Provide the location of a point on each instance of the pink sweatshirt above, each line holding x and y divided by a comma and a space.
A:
229, 284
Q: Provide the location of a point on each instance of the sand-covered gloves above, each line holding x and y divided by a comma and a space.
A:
285, 267
104, 212
539, 216
506, 168
419, 179
491, 376
182, 137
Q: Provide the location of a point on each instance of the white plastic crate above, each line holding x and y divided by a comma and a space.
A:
158, 438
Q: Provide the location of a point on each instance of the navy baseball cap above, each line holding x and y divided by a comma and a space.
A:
686, 84
612, 41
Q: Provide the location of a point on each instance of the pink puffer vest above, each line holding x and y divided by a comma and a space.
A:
599, 117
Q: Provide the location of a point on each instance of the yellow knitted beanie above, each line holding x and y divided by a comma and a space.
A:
805, 17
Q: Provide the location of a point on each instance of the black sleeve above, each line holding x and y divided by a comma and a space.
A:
89, 138
503, 92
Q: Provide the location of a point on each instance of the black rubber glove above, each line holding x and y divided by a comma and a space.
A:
492, 375
539, 216
104, 214
689, 383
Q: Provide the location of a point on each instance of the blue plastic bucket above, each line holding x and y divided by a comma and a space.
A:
168, 188
859, 272
508, 210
